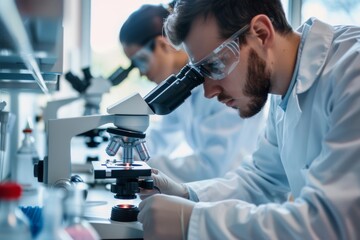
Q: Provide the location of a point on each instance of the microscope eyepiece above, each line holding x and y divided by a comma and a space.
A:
87, 75
172, 92
120, 74
79, 85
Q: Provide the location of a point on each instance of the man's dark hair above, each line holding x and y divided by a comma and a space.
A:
143, 25
230, 15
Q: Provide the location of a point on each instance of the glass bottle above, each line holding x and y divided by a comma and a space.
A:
75, 225
53, 216
27, 156
13, 223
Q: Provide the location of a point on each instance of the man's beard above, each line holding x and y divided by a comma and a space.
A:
257, 85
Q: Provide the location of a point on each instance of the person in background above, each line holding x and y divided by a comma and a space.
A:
216, 136
246, 49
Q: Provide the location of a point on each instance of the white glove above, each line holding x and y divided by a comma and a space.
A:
164, 184
165, 217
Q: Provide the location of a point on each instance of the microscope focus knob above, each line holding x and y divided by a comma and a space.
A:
146, 183
39, 171
125, 190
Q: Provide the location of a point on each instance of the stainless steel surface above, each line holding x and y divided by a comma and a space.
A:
31, 44
25, 80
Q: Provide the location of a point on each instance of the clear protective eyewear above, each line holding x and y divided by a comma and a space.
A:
141, 58
223, 60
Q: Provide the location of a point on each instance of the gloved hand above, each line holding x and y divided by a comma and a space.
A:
164, 184
165, 217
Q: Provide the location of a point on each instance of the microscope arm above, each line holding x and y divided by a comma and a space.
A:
52, 107
57, 166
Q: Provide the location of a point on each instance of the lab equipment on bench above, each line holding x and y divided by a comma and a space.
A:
55, 170
130, 118
27, 156
52, 216
92, 88
75, 225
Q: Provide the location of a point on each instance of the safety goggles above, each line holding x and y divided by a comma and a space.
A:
223, 60
141, 58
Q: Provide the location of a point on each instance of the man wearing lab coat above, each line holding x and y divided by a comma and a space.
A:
218, 140
311, 145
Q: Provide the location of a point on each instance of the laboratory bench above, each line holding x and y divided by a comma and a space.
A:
97, 212
99, 201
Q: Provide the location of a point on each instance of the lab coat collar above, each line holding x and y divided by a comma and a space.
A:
315, 52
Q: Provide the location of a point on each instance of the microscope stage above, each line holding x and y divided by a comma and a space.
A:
116, 169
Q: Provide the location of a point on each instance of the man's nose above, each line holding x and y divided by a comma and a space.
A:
210, 88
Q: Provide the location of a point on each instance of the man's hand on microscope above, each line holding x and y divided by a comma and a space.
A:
164, 184
158, 210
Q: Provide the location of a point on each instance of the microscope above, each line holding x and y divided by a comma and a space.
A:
129, 119
91, 89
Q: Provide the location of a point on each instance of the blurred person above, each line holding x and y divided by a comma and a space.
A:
216, 136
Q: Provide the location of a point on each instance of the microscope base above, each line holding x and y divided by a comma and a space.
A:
98, 211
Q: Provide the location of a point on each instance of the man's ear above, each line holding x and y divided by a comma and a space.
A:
162, 43
261, 27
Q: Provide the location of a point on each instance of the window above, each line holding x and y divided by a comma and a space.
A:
332, 11
107, 55
285, 4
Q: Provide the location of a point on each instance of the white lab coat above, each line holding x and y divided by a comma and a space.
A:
312, 149
218, 137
